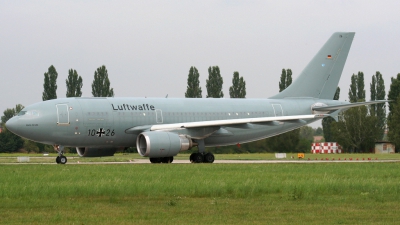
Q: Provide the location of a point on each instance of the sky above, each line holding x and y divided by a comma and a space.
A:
149, 46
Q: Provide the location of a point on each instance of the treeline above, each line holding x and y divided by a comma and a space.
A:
214, 84
356, 129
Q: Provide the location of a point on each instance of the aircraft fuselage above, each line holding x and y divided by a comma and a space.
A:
103, 122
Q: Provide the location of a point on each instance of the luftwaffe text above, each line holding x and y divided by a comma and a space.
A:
133, 107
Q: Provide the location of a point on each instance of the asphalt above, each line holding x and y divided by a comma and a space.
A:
296, 161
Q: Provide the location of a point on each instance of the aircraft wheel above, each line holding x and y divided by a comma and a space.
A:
63, 159
198, 158
209, 158
58, 160
155, 160
167, 159
192, 156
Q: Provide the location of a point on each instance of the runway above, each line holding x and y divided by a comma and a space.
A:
181, 161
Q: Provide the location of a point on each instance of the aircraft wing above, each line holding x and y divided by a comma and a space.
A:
215, 123
346, 106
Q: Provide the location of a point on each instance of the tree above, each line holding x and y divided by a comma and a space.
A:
74, 84
394, 123
306, 138
10, 142
9, 113
30, 146
394, 92
355, 129
238, 88
394, 111
327, 121
101, 83
319, 131
193, 89
286, 79
50, 84
214, 83
360, 86
307, 132
353, 89
378, 93
356, 90
373, 94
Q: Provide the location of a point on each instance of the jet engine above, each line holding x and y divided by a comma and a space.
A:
95, 152
156, 144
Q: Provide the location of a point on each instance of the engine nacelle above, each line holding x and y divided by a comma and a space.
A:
155, 144
95, 152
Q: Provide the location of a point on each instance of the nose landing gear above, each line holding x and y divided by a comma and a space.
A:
61, 159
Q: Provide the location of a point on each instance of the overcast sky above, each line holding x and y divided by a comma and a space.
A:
149, 46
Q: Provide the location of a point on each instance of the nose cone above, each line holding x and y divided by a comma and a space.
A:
13, 125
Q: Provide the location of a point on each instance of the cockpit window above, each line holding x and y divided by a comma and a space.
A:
34, 113
29, 113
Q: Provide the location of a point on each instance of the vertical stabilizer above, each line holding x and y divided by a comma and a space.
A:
321, 76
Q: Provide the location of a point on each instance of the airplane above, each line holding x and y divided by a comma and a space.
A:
160, 128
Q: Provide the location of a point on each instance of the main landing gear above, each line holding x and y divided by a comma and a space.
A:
201, 156
61, 159
162, 160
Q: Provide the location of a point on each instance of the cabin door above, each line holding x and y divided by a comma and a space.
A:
159, 118
278, 111
62, 114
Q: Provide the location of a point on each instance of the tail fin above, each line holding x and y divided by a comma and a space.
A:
321, 76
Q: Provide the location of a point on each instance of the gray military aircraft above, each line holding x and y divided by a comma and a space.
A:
160, 128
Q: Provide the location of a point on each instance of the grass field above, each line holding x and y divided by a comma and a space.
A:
344, 193
39, 158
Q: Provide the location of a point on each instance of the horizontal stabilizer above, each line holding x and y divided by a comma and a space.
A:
346, 106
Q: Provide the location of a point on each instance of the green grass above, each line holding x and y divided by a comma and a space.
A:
39, 158
366, 193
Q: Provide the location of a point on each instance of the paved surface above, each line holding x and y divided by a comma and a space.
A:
146, 161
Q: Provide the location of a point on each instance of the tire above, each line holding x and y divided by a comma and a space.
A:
198, 158
209, 158
63, 159
58, 160
192, 156
155, 160
166, 160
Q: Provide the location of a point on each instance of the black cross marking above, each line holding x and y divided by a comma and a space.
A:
100, 132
